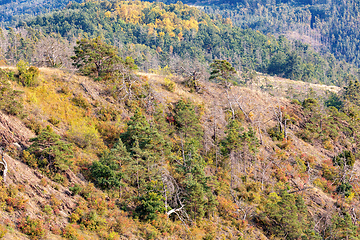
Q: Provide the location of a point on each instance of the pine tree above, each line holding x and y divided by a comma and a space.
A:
107, 173
187, 121
147, 150
288, 217
342, 227
222, 71
95, 58
52, 152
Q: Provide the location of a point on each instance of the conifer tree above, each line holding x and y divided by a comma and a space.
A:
52, 152
342, 227
146, 147
107, 172
222, 71
288, 217
95, 58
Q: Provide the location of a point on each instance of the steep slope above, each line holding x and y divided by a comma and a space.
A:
279, 174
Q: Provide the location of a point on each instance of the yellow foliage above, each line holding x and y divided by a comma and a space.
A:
108, 14
132, 12
350, 197
161, 34
84, 134
274, 198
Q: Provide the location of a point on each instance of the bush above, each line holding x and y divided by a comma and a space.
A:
10, 100
81, 102
84, 135
29, 159
51, 152
344, 188
169, 85
92, 221
276, 134
47, 209
286, 216
75, 189
18, 203
344, 158
70, 232
54, 121
3, 231
151, 205
109, 132
27, 75
32, 227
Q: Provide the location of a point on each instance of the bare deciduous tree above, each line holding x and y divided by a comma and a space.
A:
172, 198
192, 70
53, 52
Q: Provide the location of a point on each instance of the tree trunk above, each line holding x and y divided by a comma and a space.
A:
3, 162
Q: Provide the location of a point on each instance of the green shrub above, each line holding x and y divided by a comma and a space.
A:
151, 205
10, 100
276, 134
286, 217
344, 188
51, 152
75, 189
47, 209
27, 75
344, 158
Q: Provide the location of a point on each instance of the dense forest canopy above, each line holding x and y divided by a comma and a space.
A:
329, 26
155, 34
11, 11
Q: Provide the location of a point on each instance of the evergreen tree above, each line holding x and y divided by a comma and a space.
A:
199, 199
222, 71
107, 173
352, 92
288, 217
146, 147
187, 121
342, 227
52, 152
95, 58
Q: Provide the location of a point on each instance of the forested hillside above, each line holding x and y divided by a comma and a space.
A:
328, 25
139, 120
122, 154
11, 11
159, 35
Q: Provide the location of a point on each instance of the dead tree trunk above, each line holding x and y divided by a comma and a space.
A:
4, 163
